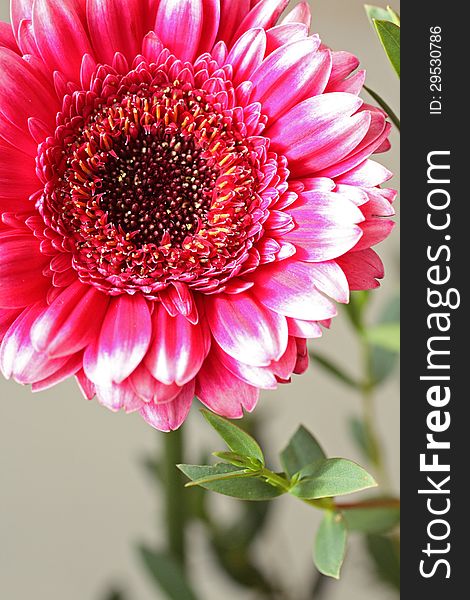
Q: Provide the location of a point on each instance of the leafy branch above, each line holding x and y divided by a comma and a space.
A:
307, 474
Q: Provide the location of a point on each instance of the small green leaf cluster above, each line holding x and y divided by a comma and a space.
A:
308, 474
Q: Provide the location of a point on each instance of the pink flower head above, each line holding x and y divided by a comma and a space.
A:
185, 188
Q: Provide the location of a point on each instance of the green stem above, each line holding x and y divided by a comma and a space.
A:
175, 496
368, 408
385, 503
319, 586
274, 478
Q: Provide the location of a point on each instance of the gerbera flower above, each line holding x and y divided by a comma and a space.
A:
185, 187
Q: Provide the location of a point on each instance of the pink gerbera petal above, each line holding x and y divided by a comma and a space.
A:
169, 416
223, 392
115, 26
183, 39
178, 348
122, 343
60, 36
246, 330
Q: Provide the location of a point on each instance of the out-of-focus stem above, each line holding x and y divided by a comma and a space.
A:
175, 495
369, 417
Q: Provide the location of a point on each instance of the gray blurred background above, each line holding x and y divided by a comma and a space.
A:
74, 499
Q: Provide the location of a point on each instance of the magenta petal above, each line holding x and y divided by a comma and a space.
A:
71, 367
378, 202
71, 322
313, 184
354, 193
326, 226
117, 396
21, 265
322, 120
304, 329
86, 386
377, 134
344, 63
7, 39
22, 95
19, 10
367, 174
299, 14
18, 178
179, 26
115, 26
374, 231
149, 389
60, 36
352, 85
284, 367
301, 364
330, 279
264, 14
362, 269
261, 377
337, 142
289, 288
150, 14
151, 47
245, 329
26, 39
123, 341
210, 25
7, 318
178, 348
170, 416
18, 358
223, 392
247, 54
232, 12
289, 75
284, 34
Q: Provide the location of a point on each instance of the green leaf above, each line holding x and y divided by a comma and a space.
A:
245, 488
167, 574
330, 544
385, 555
372, 519
389, 35
302, 450
381, 102
363, 439
384, 14
332, 477
334, 370
236, 439
220, 477
386, 336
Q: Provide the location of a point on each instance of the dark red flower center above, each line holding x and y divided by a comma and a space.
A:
156, 184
